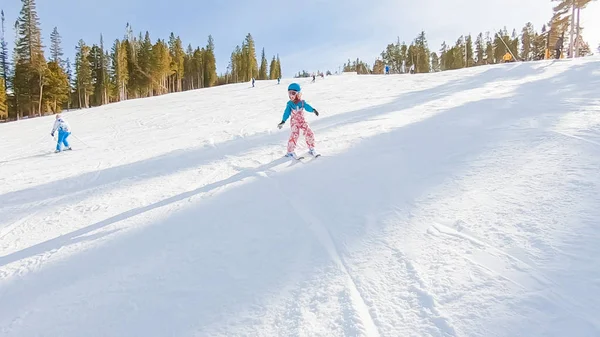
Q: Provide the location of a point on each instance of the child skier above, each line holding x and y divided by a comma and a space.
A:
64, 131
295, 108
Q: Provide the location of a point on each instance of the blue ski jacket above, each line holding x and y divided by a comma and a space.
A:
292, 106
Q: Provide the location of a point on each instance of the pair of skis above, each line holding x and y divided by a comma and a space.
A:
302, 157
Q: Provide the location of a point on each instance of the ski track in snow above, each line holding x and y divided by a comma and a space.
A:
325, 239
461, 203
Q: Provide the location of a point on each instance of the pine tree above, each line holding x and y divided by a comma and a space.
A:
378, 66
135, 83
273, 69
527, 42
107, 83
444, 57
13, 78
411, 57
83, 73
190, 73
3, 103
391, 57
177, 64
460, 53
100, 77
402, 55
69, 73
422, 61
209, 63
102, 74
120, 71
469, 51
560, 22
584, 50
31, 66
279, 73
236, 65
3, 52
198, 67
161, 66
143, 66
56, 52
489, 49
479, 50
435, 62
262, 73
561, 14
539, 44
58, 87
250, 64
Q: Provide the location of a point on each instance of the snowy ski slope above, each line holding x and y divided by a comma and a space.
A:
463, 203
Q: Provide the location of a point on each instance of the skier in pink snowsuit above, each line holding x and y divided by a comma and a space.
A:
295, 108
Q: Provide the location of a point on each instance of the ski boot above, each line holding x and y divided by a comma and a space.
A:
293, 155
314, 153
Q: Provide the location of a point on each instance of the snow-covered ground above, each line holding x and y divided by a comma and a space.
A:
463, 203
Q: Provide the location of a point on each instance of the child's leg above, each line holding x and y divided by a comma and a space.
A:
61, 137
293, 138
309, 136
66, 135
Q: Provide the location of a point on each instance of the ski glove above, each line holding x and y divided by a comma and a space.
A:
52, 134
316, 112
280, 125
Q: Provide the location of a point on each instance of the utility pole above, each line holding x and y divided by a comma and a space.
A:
577, 37
572, 44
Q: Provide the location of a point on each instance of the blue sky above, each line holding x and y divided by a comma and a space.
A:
310, 34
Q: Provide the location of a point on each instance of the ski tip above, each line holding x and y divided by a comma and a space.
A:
295, 158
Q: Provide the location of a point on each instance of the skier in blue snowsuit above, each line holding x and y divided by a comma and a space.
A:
64, 131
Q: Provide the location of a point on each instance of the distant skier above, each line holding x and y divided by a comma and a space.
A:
295, 108
278, 80
64, 131
253, 80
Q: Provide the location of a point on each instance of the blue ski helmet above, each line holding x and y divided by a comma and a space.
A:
294, 86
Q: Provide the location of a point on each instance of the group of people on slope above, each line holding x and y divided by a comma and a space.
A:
294, 111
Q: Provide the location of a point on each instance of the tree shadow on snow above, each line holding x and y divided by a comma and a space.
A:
238, 252
77, 187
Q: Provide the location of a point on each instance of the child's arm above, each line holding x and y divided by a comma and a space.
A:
286, 113
309, 108
56, 123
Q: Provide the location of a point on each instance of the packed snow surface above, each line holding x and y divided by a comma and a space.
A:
461, 203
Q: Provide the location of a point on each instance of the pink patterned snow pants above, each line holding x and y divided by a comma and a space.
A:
299, 123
